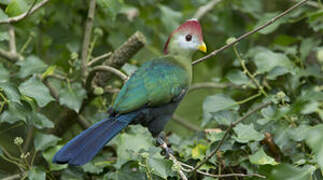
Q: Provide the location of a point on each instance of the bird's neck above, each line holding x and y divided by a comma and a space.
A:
183, 61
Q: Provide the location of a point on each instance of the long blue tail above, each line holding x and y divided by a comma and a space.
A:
82, 148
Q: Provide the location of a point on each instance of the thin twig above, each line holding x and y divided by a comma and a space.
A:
24, 15
219, 175
99, 58
115, 71
201, 11
9, 56
12, 40
87, 39
185, 123
232, 125
311, 3
29, 139
13, 177
176, 163
215, 52
247, 72
213, 85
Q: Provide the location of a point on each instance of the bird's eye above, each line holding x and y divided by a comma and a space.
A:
188, 37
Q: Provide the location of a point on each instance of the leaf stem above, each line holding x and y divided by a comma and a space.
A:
247, 72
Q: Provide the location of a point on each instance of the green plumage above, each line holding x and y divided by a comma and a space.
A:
155, 83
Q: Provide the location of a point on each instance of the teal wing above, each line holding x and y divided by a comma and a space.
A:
155, 83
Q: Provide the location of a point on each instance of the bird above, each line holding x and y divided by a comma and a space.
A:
149, 97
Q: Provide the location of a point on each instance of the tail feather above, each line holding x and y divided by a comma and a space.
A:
86, 145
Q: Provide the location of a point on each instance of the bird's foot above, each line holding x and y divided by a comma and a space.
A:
166, 150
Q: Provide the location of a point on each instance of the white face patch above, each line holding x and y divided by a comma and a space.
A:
184, 43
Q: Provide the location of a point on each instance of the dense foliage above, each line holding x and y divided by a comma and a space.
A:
44, 102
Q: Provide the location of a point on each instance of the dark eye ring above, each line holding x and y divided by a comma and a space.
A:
188, 37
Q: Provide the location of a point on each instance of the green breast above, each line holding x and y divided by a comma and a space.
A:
155, 83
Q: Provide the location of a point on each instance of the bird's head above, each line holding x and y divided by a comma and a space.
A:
186, 39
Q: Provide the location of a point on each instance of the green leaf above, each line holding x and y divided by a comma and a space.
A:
160, 167
247, 133
112, 7
261, 158
237, 77
267, 61
16, 7
11, 92
198, 152
72, 96
3, 16
4, 74
31, 65
36, 173
216, 105
34, 88
308, 45
16, 112
139, 139
288, 172
314, 139
40, 121
49, 154
44, 141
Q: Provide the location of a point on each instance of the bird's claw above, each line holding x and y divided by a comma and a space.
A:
166, 150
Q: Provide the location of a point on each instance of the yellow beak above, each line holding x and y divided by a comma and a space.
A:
202, 47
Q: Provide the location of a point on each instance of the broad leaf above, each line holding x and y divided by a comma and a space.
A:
16, 7
261, 158
36, 174
49, 154
34, 88
4, 74
31, 65
72, 96
314, 138
288, 172
11, 92
217, 106
44, 141
247, 133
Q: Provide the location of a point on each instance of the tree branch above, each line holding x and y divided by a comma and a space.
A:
115, 71
24, 15
219, 175
12, 40
87, 39
99, 58
212, 85
232, 125
177, 164
201, 11
121, 55
215, 52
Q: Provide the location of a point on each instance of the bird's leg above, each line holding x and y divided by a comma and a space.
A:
160, 140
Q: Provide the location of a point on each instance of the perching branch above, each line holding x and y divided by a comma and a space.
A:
99, 58
215, 52
120, 56
177, 164
190, 168
112, 70
24, 15
232, 125
87, 39
213, 85
201, 11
